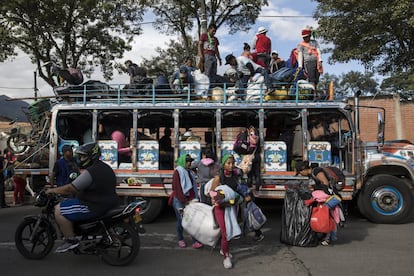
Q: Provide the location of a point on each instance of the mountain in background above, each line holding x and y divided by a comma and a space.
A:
12, 109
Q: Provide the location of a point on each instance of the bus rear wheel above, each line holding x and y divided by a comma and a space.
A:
152, 209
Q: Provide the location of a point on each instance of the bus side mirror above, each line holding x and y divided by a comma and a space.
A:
380, 134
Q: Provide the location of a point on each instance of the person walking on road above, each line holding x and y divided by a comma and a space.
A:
3, 203
184, 190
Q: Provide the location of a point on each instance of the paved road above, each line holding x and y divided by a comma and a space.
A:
363, 249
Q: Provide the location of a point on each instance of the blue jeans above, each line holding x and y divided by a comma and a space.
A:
264, 73
178, 207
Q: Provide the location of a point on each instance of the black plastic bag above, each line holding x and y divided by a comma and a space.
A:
296, 215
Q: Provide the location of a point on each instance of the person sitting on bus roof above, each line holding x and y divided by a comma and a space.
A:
247, 69
181, 80
135, 72
71, 75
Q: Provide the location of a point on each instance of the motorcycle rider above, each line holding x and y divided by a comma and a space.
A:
94, 191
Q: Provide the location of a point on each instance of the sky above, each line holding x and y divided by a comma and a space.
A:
17, 74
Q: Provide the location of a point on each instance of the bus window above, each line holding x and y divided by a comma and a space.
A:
116, 126
74, 126
155, 145
284, 139
196, 128
327, 131
234, 122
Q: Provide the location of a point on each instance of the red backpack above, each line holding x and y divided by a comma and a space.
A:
321, 221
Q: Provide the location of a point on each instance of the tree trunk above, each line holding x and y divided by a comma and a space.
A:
203, 15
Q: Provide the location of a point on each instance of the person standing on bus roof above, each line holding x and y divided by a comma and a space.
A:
208, 51
310, 57
262, 46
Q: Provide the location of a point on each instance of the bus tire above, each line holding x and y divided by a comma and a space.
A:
360, 203
152, 208
386, 199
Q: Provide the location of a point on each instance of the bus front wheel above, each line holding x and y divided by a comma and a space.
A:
386, 199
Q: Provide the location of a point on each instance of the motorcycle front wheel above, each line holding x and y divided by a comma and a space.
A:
17, 143
34, 242
124, 247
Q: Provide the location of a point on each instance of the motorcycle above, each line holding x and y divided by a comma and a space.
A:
114, 237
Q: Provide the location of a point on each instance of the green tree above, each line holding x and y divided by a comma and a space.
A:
78, 33
325, 82
353, 81
375, 32
399, 82
167, 60
181, 17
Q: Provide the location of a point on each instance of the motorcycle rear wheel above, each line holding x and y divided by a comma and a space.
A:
125, 246
17, 143
40, 245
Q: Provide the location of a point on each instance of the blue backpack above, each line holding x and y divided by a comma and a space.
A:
254, 217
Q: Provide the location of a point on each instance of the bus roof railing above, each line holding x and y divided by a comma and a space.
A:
216, 94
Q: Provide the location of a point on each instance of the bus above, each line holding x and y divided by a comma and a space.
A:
129, 127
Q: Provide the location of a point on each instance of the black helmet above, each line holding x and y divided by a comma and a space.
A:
88, 154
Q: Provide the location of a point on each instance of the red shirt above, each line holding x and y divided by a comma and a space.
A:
263, 44
209, 44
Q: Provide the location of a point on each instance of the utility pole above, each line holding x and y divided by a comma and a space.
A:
35, 85
203, 11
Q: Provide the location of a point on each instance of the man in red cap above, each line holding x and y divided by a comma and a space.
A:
309, 57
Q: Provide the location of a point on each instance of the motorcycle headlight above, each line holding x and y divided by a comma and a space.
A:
41, 199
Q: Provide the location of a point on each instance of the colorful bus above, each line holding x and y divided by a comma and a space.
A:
129, 128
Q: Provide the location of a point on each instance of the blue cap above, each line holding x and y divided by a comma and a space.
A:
183, 69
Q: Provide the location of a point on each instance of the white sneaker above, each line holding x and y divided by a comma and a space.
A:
222, 254
68, 245
227, 263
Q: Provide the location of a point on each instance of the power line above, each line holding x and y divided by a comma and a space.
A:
288, 16
268, 16
15, 88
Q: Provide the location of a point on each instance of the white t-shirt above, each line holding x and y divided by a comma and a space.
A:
242, 61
